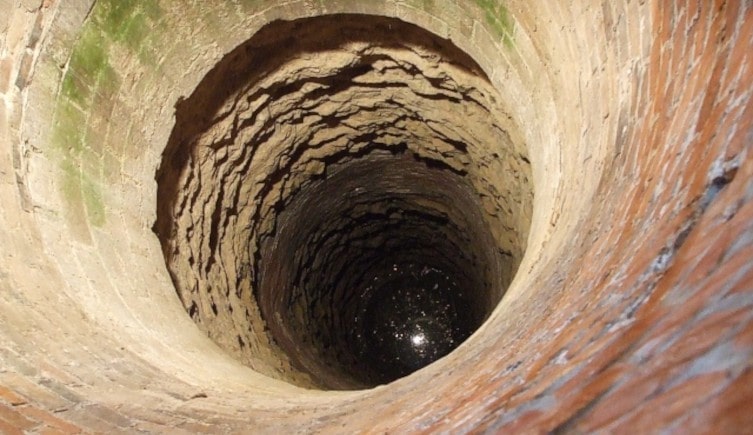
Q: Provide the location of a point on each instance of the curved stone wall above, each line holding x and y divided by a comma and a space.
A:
334, 155
631, 306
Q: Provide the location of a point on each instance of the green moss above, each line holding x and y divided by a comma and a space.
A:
74, 89
152, 9
95, 207
115, 16
90, 55
498, 19
88, 60
136, 31
82, 195
90, 85
70, 185
249, 3
426, 5
111, 15
68, 134
128, 22
149, 52
107, 85
78, 189
89, 75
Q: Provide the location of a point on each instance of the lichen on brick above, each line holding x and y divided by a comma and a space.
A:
426, 5
498, 18
90, 85
88, 62
130, 23
82, 195
68, 134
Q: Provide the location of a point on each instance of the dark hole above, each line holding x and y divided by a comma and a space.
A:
386, 267
365, 243
415, 315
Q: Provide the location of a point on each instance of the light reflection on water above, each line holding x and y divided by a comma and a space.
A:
416, 314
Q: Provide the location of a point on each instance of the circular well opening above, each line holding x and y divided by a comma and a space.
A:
343, 200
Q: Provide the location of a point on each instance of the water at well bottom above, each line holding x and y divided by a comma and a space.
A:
415, 315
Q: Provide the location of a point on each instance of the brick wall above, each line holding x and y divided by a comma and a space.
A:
631, 310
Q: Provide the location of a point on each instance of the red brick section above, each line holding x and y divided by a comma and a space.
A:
683, 358
10, 397
18, 416
662, 335
681, 352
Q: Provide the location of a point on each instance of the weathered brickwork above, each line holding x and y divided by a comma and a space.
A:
632, 310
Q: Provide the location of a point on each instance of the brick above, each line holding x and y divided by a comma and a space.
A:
24, 71
13, 417
10, 397
108, 415
92, 423
6, 66
672, 403
49, 419
9, 429
678, 78
61, 390
38, 394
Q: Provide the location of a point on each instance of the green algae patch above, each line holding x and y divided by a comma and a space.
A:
130, 23
498, 18
68, 133
89, 76
89, 61
88, 93
125, 20
426, 5
83, 196
95, 206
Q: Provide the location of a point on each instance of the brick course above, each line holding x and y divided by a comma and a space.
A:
632, 310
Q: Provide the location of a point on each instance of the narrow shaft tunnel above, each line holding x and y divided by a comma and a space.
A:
355, 216
332, 173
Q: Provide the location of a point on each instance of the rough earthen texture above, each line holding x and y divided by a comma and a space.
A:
631, 308
297, 104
